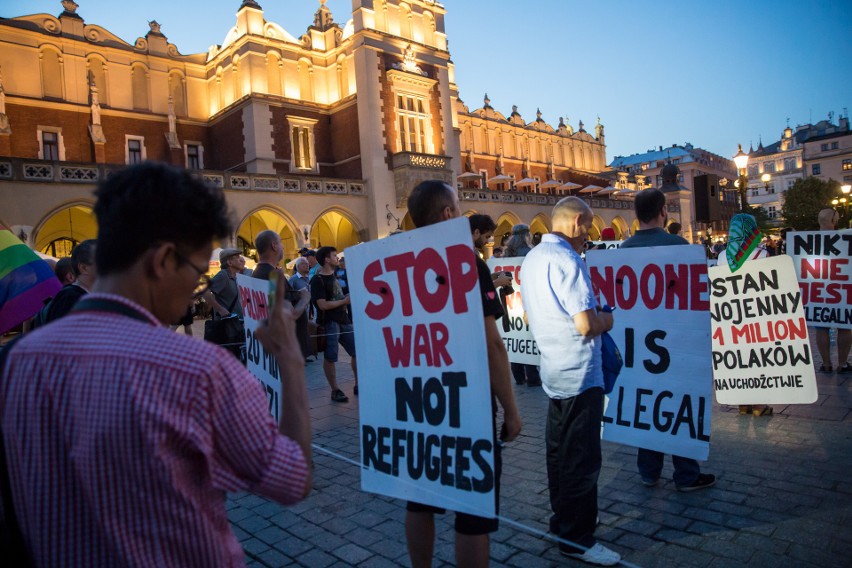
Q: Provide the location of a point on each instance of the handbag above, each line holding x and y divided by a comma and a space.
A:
611, 361
224, 331
12, 542
227, 330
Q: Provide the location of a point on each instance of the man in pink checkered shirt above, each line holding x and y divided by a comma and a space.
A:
122, 438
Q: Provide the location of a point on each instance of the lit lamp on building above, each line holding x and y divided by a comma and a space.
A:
741, 160
765, 178
845, 188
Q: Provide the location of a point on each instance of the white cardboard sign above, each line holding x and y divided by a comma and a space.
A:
425, 396
822, 263
254, 297
514, 330
662, 400
761, 350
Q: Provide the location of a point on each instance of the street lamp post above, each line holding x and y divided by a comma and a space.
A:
741, 160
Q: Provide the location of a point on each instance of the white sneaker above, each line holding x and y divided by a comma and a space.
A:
598, 554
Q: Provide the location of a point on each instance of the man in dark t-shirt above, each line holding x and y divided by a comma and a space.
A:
333, 316
270, 252
429, 203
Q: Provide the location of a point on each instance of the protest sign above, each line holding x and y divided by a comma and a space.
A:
603, 245
821, 261
761, 350
425, 397
514, 330
662, 327
254, 298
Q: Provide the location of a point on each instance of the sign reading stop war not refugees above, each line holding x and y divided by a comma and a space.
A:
254, 298
514, 330
821, 260
425, 396
662, 327
761, 350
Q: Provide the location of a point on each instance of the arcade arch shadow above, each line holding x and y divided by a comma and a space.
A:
267, 218
64, 227
335, 227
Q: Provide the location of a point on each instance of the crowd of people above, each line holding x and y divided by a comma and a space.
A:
107, 401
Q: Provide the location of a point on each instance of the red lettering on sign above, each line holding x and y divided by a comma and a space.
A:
430, 345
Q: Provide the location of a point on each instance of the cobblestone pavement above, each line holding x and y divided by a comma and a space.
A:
783, 497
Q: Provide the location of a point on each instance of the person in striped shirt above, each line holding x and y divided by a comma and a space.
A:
123, 438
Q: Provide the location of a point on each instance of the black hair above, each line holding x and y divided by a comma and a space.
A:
323, 253
648, 204
482, 223
83, 253
674, 228
427, 200
142, 205
64, 267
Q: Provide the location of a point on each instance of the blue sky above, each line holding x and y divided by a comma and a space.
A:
657, 72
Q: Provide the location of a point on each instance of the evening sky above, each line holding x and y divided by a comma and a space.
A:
713, 73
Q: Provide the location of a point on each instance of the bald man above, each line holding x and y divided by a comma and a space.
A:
566, 323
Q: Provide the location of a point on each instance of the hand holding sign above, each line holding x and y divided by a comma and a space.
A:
277, 333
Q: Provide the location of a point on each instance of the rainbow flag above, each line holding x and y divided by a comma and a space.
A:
26, 281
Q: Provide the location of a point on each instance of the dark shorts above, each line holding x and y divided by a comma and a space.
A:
338, 333
466, 523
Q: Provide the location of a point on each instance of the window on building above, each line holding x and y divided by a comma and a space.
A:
753, 171
194, 156
789, 164
834, 145
790, 183
303, 155
773, 213
847, 165
412, 123
134, 152
134, 149
815, 169
755, 192
483, 183
823, 147
50, 146
301, 137
769, 167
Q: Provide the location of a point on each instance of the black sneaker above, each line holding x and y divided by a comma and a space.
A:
846, 369
704, 480
339, 396
825, 368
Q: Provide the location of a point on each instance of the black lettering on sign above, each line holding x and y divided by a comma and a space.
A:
431, 400
446, 459
667, 415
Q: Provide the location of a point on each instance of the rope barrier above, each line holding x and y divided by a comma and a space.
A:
520, 526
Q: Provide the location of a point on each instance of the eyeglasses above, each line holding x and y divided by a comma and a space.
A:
203, 278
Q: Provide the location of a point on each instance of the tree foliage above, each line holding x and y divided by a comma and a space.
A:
804, 200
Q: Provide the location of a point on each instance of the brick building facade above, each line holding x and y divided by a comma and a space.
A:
319, 137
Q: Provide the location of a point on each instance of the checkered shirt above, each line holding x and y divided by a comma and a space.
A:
123, 437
